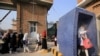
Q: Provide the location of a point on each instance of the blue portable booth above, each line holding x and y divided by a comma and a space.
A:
68, 30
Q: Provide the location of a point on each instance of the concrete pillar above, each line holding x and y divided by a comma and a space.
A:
18, 17
98, 34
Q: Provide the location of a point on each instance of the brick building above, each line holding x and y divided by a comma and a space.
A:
32, 17
92, 6
31, 14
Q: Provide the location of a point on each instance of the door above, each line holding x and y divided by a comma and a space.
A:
33, 29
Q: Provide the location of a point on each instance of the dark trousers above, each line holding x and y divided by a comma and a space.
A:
20, 43
5, 48
55, 42
82, 51
44, 43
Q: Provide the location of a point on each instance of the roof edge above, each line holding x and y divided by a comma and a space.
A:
84, 3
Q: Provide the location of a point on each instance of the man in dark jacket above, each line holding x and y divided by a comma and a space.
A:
20, 39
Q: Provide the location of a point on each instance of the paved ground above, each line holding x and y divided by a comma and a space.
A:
28, 54
21, 53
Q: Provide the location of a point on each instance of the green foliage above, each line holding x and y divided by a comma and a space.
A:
52, 30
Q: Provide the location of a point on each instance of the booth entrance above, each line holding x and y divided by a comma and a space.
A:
83, 19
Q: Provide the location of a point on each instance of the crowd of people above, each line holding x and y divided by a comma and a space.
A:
13, 40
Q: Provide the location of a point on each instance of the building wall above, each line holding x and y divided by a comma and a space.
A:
41, 16
27, 12
79, 1
6, 1
94, 8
